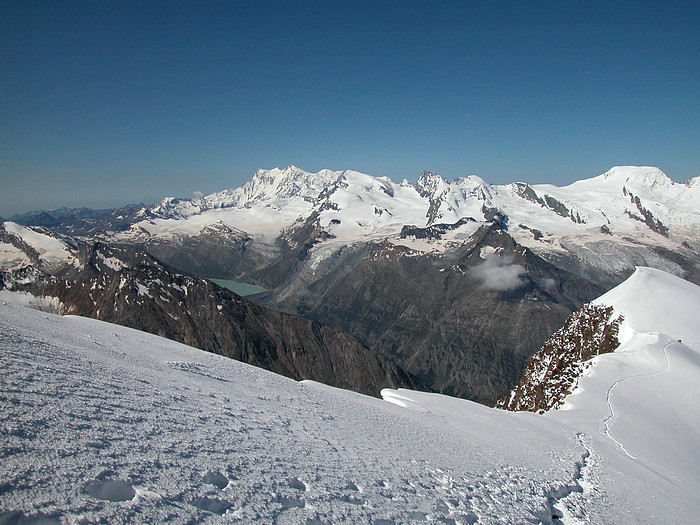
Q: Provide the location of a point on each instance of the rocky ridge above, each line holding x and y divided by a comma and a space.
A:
552, 373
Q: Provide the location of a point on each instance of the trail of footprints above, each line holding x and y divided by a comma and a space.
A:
293, 500
435, 496
152, 458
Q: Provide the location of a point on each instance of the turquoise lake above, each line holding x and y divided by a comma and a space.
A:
241, 289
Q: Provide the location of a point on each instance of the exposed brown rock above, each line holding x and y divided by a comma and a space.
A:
552, 373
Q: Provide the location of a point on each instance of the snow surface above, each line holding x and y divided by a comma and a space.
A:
12, 257
50, 249
100, 422
649, 291
644, 397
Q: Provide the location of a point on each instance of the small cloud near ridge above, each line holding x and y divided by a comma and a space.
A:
497, 273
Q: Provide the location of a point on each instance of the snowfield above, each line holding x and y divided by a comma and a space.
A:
103, 424
354, 206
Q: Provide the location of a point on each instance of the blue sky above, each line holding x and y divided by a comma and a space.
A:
107, 103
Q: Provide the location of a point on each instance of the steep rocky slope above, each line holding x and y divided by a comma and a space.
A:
464, 324
552, 373
124, 285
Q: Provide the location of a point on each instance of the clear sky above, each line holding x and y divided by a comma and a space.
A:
107, 103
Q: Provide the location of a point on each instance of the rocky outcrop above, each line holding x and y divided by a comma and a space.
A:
647, 217
547, 201
552, 373
434, 231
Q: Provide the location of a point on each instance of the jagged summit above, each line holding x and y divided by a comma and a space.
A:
693, 182
430, 182
286, 183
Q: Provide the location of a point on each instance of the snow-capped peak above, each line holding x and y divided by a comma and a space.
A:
431, 184
637, 179
646, 177
286, 183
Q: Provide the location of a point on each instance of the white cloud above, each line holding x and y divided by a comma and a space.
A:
549, 283
197, 194
497, 273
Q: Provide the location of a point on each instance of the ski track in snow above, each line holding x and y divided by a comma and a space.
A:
116, 426
610, 418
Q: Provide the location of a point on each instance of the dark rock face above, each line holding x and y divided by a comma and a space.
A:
218, 252
462, 324
435, 231
652, 222
528, 193
552, 373
135, 290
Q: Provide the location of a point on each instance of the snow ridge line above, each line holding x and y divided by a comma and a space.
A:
611, 416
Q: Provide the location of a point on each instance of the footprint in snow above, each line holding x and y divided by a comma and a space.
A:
297, 484
215, 478
110, 490
353, 486
213, 505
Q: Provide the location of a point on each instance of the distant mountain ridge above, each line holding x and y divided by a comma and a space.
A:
440, 199
598, 228
405, 266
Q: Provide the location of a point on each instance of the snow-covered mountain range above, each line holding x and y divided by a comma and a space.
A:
635, 208
621, 199
458, 281
106, 424
633, 214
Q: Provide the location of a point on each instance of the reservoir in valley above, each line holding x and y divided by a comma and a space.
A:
241, 289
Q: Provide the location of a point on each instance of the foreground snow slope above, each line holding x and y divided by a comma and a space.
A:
101, 422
